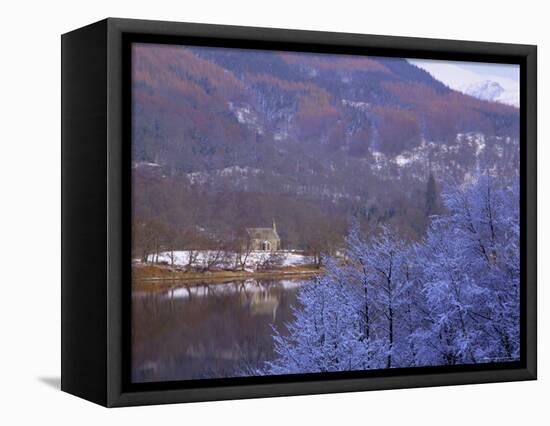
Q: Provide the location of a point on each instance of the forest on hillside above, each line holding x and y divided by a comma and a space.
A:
226, 139
185, 218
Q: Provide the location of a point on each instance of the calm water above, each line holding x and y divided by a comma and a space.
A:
198, 330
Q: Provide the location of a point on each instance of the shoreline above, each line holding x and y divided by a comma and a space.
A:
157, 275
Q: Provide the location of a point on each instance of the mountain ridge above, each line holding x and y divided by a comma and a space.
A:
214, 97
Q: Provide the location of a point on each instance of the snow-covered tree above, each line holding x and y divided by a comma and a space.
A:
470, 271
324, 335
346, 319
384, 262
452, 298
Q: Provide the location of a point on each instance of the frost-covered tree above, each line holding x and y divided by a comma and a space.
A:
357, 256
347, 319
452, 298
324, 335
470, 271
384, 261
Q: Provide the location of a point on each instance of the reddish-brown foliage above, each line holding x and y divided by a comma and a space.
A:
398, 129
333, 62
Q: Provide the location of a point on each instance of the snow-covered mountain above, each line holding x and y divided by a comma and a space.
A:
486, 90
489, 90
489, 82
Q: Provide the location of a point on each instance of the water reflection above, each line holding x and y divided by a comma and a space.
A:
207, 330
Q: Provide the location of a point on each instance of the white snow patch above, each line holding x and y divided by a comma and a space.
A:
477, 140
201, 178
362, 106
245, 115
403, 160
379, 160
232, 170
226, 259
279, 136
141, 164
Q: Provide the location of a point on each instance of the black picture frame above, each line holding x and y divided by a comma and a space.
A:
96, 184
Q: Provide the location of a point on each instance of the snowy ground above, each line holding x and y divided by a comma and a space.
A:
227, 260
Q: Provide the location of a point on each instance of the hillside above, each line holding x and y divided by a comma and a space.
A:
226, 138
219, 99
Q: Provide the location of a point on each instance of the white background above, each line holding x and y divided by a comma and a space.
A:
30, 211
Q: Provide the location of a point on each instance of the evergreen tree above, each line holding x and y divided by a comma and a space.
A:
433, 200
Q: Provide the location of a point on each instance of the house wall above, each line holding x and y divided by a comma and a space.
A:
257, 244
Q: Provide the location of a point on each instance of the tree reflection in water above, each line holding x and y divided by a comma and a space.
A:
207, 330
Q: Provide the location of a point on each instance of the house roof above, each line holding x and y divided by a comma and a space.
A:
263, 233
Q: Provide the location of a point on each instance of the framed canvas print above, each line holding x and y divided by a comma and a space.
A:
251, 212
